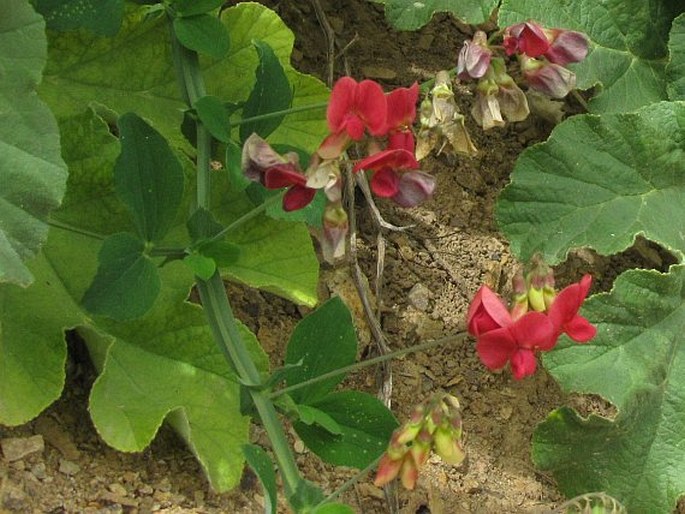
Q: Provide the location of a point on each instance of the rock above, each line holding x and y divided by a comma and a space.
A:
13, 498
39, 471
68, 467
117, 489
16, 448
419, 296
57, 436
379, 72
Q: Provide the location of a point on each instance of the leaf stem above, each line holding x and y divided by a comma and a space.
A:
284, 112
75, 230
349, 483
213, 292
370, 362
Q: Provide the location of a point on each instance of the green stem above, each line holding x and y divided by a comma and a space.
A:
246, 217
213, 293
349, 483
369, 362
284, 112
75, 230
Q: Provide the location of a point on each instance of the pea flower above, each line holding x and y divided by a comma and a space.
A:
395, 176
401, 105
474, 57
354, 108
550, 79
566, 46
527, 38
534, 323
498, 97
263, 164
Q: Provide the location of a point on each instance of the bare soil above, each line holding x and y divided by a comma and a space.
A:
431, 272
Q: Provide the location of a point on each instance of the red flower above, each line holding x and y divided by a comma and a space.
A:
487, 312
395, 176
527, 38
353, 107
517, 343
564, 312
298, 194
401, 105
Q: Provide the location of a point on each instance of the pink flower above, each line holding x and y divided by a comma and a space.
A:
564, 312
527, 38
474, 57
298, 194
401, 105
550, 79
566, 46
353, 108
517, 343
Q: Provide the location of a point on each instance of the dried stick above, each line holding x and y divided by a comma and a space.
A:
330, 39
385, 389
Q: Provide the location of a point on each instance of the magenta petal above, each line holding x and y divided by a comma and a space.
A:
401, 105
532, 40
534, 330
354, 126
385, 183
567, 303
297, 197
341, 102
496, 348
580, 329
403, 140
523, 363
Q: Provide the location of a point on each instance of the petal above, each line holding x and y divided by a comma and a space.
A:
567, 303
385, 182
401, 105
534, 330
580, 329
403, 140
496, 347
532, 40
297, 197
414, 188
283, 175
551, 80
523, 363
334, 145
395, 159
372, 106
387, 471
486, 312
341, 102
354, 126
568, 46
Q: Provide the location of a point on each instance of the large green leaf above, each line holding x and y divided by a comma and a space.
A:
365, 426
323, 341
271, 93
127, 283
32, 173
103, 17
629, 39
598, 182
133, 72
636, 361
148, 177
675, 70
411, 15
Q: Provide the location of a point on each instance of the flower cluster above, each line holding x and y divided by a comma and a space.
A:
436, 425
357, 112
542, 55
536, 320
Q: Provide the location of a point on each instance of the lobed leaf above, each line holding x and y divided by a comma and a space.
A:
675, 69
103, 17
627, 180
628, 54
32, 172
410, 15
636, 361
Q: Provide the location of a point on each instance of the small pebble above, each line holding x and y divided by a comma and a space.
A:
68, 468
117, 489
419, 296
39, 471
16, 448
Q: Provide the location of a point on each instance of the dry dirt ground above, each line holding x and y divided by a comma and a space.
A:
432, 271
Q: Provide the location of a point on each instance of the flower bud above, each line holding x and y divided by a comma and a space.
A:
335, 227
420, 449
414, 187
409, 472
388, 469
448, 446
